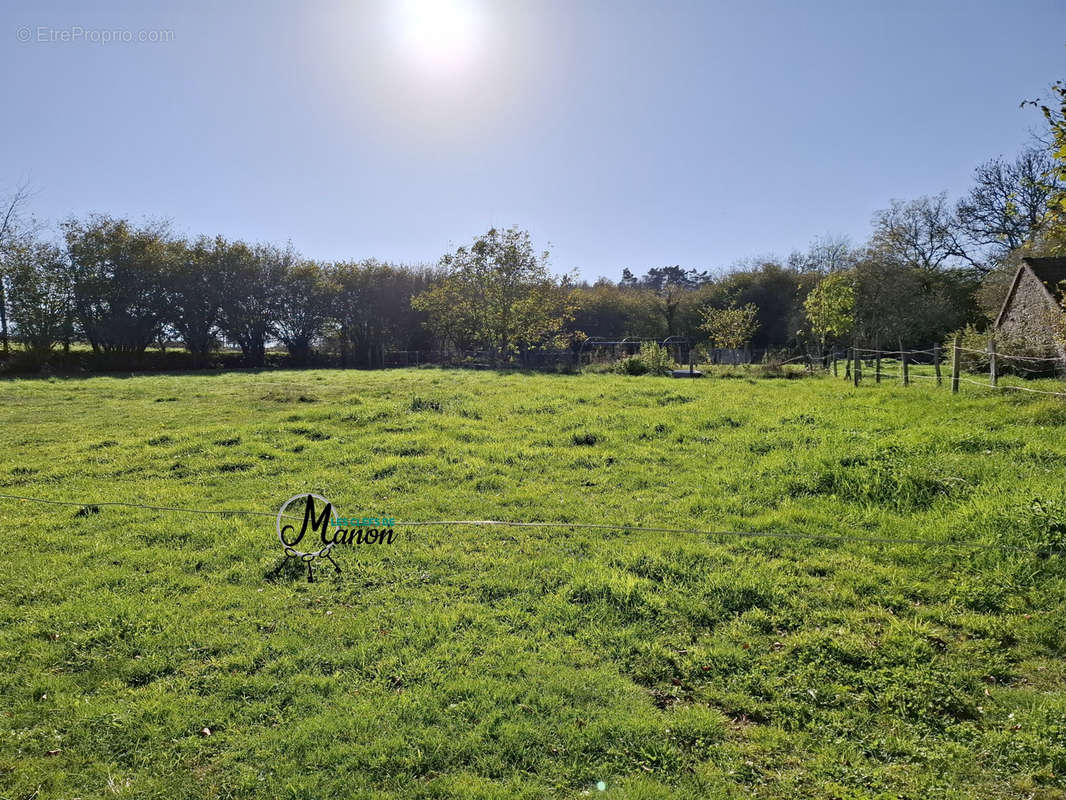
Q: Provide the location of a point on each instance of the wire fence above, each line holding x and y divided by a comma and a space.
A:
771, 534
861, 361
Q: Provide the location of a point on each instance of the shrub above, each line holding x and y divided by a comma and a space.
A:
651, 360
974, 355
631, 365
971, 340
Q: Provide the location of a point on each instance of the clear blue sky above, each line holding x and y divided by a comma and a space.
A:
623, 133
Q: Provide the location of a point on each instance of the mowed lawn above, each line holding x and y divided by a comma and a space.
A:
532, 662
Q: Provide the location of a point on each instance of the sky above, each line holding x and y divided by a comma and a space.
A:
619, 134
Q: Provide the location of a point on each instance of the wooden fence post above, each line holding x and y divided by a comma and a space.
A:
993, 376
877, 367
904, 364
955, 365
936, 364
856, 370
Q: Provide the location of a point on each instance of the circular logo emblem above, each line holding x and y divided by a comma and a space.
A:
291, 536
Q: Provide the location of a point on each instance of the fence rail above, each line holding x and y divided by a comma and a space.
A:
860, 360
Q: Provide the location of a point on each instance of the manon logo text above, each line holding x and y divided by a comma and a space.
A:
331, 529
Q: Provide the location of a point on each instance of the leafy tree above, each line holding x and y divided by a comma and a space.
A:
658, 279
886, 299
830, 307
40, 296
195, 290
896, 300
672, 287
451, 313
305, 298
498, 292
731, 328
251, 279
1054, 226
776, 290
373, 310
118, 279
612, 312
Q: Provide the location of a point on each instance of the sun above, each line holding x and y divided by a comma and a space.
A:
438, 35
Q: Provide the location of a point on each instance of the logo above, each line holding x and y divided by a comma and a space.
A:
333, 531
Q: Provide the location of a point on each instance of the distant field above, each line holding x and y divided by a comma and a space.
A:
533, 662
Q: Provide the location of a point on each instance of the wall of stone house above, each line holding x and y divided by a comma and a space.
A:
1032, 316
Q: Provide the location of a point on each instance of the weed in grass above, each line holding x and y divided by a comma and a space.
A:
584, 439
423, 404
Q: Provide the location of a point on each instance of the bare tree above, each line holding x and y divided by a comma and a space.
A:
826, 254
1008, 201
923, 232
11, 231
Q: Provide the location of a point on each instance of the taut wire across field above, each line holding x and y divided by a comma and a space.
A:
837, 538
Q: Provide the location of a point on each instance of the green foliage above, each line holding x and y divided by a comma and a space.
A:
651, 360
830, 307
304, 302
1053, 236
372, 311
614, 312
250, 279
497, 293
896, 300
974, 356
731, 328
774, 288
195, 291
40, 296
117, 279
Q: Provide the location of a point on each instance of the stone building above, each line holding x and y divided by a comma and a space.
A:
1033, 313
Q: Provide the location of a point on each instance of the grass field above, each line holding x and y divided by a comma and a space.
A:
532, 662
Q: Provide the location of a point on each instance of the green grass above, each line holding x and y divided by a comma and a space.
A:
537, 662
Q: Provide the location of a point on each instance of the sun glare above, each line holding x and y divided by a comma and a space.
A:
438, 35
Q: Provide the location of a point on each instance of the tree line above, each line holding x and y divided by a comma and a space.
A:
929, 267
121, 288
